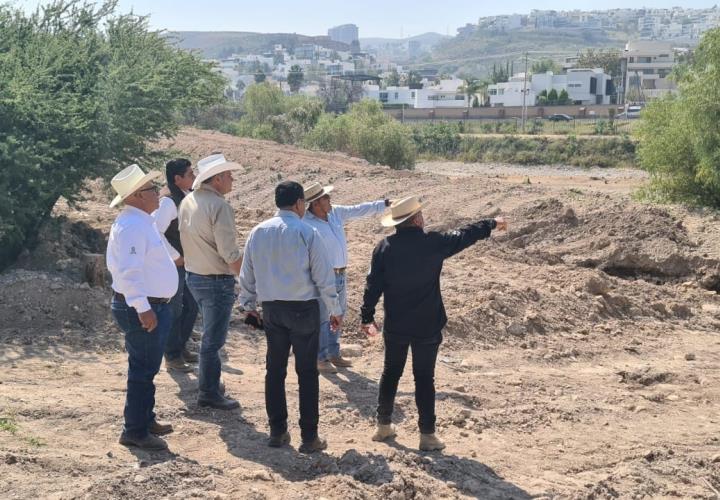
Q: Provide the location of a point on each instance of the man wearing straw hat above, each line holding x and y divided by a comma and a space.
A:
329, 220
406, 268
206, 222
144, 280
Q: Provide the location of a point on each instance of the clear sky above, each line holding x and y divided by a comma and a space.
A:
375, 18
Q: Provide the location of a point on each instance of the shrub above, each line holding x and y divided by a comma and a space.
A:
438, 139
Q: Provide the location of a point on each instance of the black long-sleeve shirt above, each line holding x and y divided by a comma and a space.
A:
406, 268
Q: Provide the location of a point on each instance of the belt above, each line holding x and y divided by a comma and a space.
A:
340, 270
213, 276
151, 300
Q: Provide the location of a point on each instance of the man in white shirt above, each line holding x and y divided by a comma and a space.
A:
144, 279
329, 220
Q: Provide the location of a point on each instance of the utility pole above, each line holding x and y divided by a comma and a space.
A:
524, 107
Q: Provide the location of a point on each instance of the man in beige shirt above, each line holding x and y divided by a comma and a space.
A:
212, 260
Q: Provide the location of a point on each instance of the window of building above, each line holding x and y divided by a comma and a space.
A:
574, 85
501, 91
383, 97
648, 72
593, 85
648, 84
412, 95
396, 95
644, 59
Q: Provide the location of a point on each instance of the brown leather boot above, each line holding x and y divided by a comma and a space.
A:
159, 428
430, 442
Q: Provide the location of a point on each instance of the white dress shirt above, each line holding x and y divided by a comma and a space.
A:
285, 259
139, 261
332, 231
164, 215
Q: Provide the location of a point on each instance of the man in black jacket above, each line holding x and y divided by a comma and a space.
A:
406, 268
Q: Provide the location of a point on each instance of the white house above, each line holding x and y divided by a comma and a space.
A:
446, 94
646, 67
584, 86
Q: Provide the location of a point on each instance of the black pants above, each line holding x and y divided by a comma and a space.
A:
423, 360
295, 324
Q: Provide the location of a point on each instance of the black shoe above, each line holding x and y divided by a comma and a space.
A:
279, 440
222, 403
316, 444
149, 442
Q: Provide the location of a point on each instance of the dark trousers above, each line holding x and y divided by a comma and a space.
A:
145, 352
423, 362
185, 311
295, 324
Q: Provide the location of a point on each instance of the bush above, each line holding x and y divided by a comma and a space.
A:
366, 132
437, 139
82, 93
679, 140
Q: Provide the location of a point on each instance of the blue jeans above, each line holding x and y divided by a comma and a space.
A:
185, 311
329, 340
215, 296
145, 352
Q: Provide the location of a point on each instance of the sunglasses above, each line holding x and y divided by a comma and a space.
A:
151, 188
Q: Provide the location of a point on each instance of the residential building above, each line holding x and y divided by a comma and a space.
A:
583, 86
646, 66
445, 94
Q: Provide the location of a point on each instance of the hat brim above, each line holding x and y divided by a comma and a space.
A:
388, 221
325, 190
153, 174
217, 169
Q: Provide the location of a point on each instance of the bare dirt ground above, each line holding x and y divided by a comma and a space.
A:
581, 360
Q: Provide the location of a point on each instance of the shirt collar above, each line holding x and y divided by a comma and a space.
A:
137, 211
287, 213
411, 229
207, 187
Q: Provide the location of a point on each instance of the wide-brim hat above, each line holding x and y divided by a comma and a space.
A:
401, 210
213, 165
315, 191
129, 180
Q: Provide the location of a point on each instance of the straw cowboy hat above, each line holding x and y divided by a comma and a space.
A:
315, 191
402, 210
213, 165
129, 180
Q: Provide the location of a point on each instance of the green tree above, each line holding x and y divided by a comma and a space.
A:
563, 97
295, 78
608, 60
470, 87
83, 92
545, 65
262, 100
260, 76
393, 79
552, 97
679, 136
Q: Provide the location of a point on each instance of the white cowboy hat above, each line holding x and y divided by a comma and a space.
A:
129, 180
401, 210
315, 191
213, 165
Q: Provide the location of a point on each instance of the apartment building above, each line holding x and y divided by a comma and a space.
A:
646, 66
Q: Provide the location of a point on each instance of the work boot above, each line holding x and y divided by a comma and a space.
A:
178, 365
326, 367
159, 429
221, 403
189, 357
279, 440
316, 444
341, 362
149, 442
383, 432
430, 442
196, 335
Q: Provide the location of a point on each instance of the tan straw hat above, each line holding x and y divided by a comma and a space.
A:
401, 210
129, 180
213, 165
315, 191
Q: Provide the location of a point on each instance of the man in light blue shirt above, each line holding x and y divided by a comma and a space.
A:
287, 269
330, 222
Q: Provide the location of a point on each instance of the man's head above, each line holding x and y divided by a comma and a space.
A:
179, 174
317, 198
215, 171
289, 195
406, 212
135, 188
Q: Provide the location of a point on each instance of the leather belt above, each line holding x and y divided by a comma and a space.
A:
340, 270
151, 300
213, 276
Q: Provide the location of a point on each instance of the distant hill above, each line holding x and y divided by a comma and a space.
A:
219, 44
476, 53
